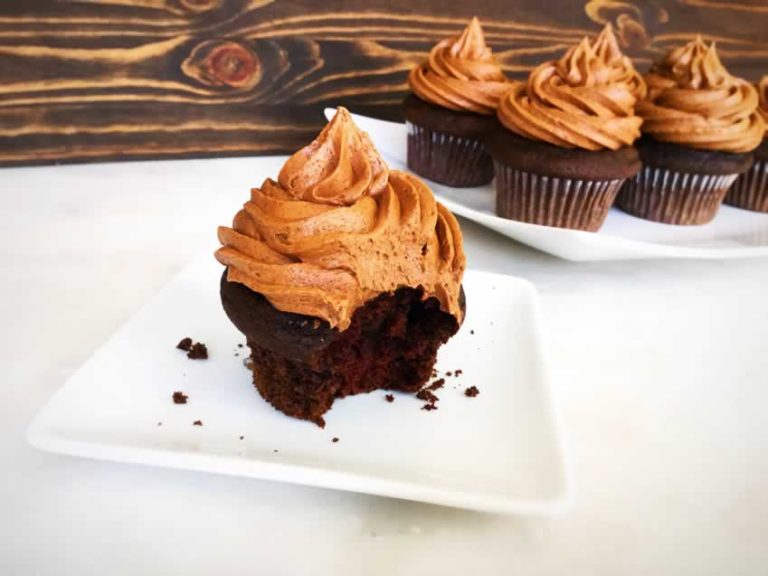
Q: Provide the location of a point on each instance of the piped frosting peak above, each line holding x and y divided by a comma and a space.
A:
584, 100
693, 101
340, 166
461, 74
606, 48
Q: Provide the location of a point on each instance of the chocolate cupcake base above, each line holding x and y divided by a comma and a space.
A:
553, 201
750, 191
301, 365
672, 197
447, 146
544, 184
456, 161
679, 184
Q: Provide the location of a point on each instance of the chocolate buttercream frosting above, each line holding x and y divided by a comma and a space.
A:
461, 74
693, 101
339, 228
584, 100
606, 47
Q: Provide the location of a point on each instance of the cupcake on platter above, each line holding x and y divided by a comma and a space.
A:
454, 100
565, 145
700, 126
344, 276
750, 191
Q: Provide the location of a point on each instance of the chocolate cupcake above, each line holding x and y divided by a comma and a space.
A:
750, 191
345, 277
700, 126
455, 96
565, 144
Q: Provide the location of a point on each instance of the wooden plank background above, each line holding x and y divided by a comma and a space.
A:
88, 80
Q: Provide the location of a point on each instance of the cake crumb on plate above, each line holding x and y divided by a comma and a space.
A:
185, 344
199, 351
471, 392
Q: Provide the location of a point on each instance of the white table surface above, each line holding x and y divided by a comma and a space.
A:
661, 375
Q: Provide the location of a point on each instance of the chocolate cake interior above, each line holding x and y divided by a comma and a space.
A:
301, 365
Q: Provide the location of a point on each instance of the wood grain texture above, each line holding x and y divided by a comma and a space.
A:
86, 80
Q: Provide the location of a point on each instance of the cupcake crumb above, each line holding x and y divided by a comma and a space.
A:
390, 398
426, 395
335, 439
437, 384
458, 372
429, 407
197, 423
180, 398
241, 437
185, 344
471, 392
198, 351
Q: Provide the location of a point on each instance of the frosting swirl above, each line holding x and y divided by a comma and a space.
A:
579, 101
606, 47
461, 74
693, 101
762, 90
310, 251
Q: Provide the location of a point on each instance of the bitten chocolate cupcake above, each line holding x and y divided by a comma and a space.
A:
750, 191
455, 96
700, 126
344, 276
566, 143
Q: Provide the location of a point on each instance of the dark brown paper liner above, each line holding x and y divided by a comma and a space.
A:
750, 191
552, 201
673, 197
452, 160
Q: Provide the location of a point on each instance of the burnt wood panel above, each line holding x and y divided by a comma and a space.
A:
87, 80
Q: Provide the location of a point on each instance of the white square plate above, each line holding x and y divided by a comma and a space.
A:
500, 451
734, 233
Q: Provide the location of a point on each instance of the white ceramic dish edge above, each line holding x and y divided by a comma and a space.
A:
44, 437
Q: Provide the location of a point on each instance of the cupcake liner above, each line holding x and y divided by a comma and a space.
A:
750, 191
553, 201
452, 160
673, 197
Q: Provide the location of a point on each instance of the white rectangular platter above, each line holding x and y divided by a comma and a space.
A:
501, 451
734, 233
